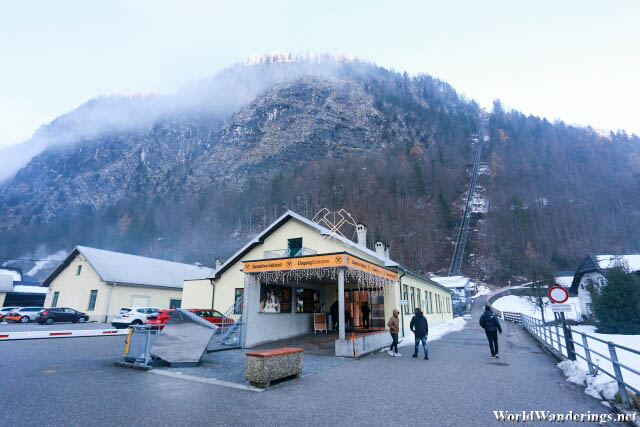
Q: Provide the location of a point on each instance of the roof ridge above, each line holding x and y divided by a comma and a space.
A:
80, 248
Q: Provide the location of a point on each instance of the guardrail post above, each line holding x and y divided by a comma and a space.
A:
544, 331
587, 353
616, 368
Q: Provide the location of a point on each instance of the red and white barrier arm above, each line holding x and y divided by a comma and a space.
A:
31, 335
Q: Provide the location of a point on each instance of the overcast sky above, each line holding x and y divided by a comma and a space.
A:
574, 60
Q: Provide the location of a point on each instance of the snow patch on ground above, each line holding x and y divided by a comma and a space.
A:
626, 358
524, 305
435, 332
483, 169
482, 290
599, 387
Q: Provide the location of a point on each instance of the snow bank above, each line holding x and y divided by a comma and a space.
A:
600, 386
482, 290
435, 332
524, 305
626, 358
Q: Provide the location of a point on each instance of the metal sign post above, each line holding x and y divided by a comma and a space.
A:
558, 296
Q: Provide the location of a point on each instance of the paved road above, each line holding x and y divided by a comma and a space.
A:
73, 382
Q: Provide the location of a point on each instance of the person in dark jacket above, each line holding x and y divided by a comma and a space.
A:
333, 310
420, 328
489, 321
365, 314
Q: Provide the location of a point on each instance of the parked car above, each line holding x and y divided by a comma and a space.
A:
6, 310
61, 314
131, 316
22, 314
161, 317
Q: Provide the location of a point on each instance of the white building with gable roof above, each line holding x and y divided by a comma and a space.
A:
101, 282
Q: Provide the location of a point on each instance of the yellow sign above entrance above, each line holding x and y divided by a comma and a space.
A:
362, 265
319, 261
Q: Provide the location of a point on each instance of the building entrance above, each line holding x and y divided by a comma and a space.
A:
355, 301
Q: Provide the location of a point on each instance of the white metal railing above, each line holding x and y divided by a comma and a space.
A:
232, 325
288, 253
563, 342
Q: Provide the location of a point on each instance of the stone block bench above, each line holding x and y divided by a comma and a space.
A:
265, 366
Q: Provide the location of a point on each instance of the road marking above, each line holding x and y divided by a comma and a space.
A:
206, 380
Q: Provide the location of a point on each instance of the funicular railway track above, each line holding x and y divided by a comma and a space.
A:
458, 252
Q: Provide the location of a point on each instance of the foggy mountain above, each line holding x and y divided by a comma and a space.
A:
192, 176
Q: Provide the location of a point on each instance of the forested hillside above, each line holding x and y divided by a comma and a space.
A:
195, 182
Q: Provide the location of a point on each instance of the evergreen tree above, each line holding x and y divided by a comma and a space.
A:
616, 305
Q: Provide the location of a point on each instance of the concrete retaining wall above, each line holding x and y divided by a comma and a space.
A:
363, 344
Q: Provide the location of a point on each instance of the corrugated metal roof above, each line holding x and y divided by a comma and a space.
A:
126, 269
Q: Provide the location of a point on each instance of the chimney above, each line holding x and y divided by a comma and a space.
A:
361, 232
386, 251
219, 263
380, 248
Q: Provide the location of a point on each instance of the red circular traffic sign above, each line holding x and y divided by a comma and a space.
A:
558, 294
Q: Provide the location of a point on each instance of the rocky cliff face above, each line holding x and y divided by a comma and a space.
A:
304, 134
304, 119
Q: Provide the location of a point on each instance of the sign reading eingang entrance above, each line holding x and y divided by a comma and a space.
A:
319, 261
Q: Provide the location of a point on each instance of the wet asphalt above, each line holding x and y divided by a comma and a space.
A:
73, 382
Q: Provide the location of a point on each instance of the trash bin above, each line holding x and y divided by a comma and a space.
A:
138, 342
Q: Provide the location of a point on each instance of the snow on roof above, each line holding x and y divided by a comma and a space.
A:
24, 289
564, 281
451, 281
10, 272
609, 261
137, 270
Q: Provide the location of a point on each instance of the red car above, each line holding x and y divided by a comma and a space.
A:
161, 317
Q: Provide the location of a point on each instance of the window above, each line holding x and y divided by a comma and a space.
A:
406, 298
238, 307
431, 302
419, 299
92, 300
69, 311
294, 247
55, 299
174, 303
413, 300
79, 270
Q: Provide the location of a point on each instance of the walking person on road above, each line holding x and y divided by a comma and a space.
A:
489, 321
394, 328
420, 328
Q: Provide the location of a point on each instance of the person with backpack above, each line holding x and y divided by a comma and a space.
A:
420, 328
491, 325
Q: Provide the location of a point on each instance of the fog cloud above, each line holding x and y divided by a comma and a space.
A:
221, 95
